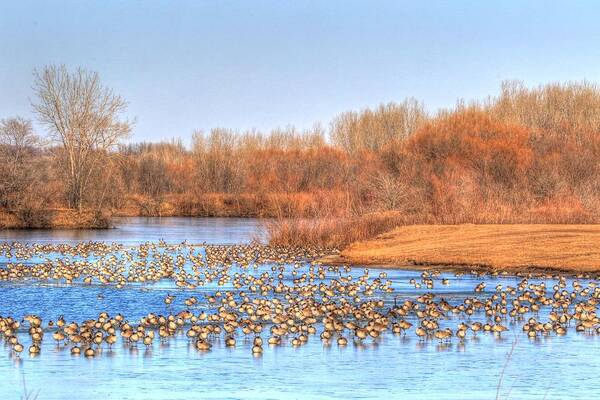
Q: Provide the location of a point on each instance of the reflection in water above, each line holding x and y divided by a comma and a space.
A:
135, 230
392, 366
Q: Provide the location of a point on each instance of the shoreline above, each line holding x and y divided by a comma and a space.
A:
573, 249
466, 248
337, 260
59, 219
55, 219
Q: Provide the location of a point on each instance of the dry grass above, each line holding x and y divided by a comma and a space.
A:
574, 248
331, 232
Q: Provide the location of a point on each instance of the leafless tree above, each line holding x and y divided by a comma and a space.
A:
82, 116
372, 129
218, 168
389, 191
18, 143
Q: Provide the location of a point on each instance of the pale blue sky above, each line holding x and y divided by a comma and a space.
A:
186, 65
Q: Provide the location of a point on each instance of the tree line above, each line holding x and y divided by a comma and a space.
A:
524, 155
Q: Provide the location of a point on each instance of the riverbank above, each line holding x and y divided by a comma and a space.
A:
207, 205
56, 218
511, 248
241, 205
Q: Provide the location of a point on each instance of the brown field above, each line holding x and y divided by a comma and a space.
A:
573, 248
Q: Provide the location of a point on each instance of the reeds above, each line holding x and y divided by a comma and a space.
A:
331, 232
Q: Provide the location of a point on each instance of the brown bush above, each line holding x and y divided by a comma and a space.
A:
331, 232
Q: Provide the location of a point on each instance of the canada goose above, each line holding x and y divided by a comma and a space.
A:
58, 336
291, 299
421, 332
361, 333
202, 345
148, 341
274, 340
257, 349
17, 348
498, 329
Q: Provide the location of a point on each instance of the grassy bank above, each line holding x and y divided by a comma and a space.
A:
573, 248
245, 205
54, 219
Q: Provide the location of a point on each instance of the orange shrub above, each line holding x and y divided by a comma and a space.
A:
496, 152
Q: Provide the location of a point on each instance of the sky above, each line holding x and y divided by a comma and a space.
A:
196, 65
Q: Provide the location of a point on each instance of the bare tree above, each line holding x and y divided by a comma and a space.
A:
372, 129
389, 191
18, 143
219, 169
153, 177
82, 116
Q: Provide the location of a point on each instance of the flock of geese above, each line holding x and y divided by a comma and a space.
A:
275, 296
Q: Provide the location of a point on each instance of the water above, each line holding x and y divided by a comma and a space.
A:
133, 230
551, 367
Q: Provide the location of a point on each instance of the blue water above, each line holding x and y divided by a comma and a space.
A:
134, 230
394, 366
